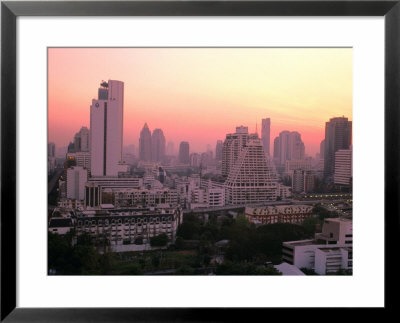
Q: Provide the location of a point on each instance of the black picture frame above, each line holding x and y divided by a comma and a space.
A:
10, 10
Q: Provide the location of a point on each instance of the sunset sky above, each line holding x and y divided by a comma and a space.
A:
201, 94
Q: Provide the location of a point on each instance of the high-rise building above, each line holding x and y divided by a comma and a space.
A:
288, 146
337, 136
170, 148
145, 144
157, 145
233, 145
303, 181
106, 126
252, 179
218, 150
76, 180
82, 139
343, 167
195, 160
51, 149
265, 134
322, 149
184, 152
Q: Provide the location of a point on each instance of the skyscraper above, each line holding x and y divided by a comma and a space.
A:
288, 146
81, 140
252, 178
184, 152
157, 145
106, 126
343, 167
145, 144
337, 136
218, 150
233, 145
170, 148
265, 134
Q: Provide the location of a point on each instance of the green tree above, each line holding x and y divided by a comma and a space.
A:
160, 240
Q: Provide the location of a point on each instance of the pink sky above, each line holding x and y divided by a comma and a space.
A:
201, 94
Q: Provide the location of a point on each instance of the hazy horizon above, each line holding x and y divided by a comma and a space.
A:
201, 94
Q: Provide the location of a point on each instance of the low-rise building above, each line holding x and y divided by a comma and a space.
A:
329, 252
278, 214
129, 229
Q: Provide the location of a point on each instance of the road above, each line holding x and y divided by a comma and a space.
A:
54, 179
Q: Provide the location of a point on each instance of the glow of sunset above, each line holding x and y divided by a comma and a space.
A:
201, 94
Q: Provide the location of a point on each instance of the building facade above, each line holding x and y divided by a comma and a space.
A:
184, 153
252, 179
157, 145
106, 129
145, 147
343, 167
278, 214
338, 134
265, 134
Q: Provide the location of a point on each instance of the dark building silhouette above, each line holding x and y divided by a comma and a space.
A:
338, 132
184, 152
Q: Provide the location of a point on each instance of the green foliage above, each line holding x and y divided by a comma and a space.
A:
308, 272
160, 240
230, 268
323, 213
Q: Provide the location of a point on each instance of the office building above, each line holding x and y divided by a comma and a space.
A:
157, 145
218, 150
288, 146
338, 134
106, 129
145, 147
76, 179
82, 140
265, 134
184, 153
343, 167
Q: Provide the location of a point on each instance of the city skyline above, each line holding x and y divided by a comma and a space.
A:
207, 92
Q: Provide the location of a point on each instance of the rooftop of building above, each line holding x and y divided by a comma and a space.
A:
289, 270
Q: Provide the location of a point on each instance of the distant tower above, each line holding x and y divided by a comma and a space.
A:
337, 136
145, 144
82, 140
218, 150
157, 145
170, 148
106, 126
265, 134
184, 152
289, 146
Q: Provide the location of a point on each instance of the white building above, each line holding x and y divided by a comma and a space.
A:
252, 179
130, 229
82, 159
233, 145
336, 231
330, 260
106, 125
343, 167
329, 252
76, 180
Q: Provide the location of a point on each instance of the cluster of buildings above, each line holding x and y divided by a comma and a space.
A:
96, 174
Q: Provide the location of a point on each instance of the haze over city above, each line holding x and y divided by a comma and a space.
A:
201, 94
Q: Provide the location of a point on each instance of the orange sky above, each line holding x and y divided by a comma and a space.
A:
201, 94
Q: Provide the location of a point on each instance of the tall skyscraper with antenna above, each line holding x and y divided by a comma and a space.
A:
106, 129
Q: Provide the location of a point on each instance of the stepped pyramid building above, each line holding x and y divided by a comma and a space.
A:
252, 179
